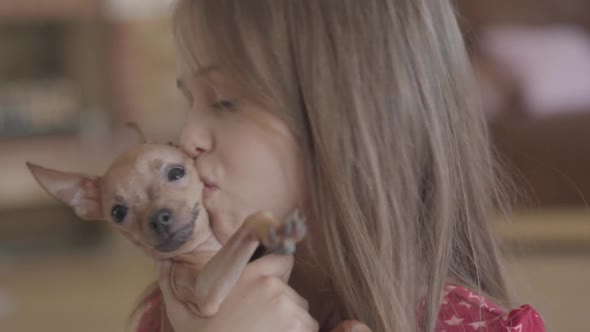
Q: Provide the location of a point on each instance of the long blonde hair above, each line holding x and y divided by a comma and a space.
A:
380, 95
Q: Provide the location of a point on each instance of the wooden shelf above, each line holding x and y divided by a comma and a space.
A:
483, 12
54, 9
547, 230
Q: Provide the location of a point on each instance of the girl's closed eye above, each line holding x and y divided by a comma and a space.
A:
224, 104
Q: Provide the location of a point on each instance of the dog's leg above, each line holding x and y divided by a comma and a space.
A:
221, 273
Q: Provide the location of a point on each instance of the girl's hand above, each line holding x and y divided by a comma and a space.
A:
351, 326
260, 302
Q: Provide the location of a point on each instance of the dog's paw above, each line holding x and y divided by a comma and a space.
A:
270, 238
283, 238
294, 228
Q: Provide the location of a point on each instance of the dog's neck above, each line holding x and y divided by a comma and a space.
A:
200, 252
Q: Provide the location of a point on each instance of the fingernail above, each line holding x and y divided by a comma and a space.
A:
360, 328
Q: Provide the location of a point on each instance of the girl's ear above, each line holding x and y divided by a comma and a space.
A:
80, 192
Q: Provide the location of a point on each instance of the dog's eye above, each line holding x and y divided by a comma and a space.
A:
176, 173
118, 213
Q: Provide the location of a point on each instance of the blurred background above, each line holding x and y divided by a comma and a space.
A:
73, 71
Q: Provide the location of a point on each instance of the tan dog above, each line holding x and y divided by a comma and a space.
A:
152, 195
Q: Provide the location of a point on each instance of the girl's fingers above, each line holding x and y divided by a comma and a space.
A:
265, 277
274, 271
299, 300
279, 266
351, 326
308, 323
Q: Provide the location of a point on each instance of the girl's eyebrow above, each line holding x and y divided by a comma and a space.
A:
203, 71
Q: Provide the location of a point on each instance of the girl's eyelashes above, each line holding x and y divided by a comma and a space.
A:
208, 94
224, 104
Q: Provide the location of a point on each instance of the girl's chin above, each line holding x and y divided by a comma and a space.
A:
221, 227
225, 224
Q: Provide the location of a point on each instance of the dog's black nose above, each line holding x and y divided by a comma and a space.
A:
161, 220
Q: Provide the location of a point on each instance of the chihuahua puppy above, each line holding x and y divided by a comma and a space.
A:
152, 195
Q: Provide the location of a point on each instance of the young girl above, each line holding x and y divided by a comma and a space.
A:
362, 115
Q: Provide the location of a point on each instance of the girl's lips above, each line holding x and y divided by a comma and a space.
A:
209, 186
209, 190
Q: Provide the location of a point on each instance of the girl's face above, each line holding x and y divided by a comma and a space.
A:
245, 155
249, 161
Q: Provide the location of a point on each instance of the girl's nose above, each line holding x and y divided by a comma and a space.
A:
196, 138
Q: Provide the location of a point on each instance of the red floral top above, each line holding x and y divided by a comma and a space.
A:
461, 310
465, 311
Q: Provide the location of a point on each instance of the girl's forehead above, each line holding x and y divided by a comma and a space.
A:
212, 77
191, 59
186, 75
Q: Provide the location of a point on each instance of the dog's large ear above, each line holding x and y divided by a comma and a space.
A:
80, 192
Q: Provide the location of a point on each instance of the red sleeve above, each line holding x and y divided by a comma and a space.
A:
151, 317
465, 311
522, 319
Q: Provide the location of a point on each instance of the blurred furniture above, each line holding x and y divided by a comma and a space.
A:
547, 156
54, 9
71, 73
485, 12
54, 70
